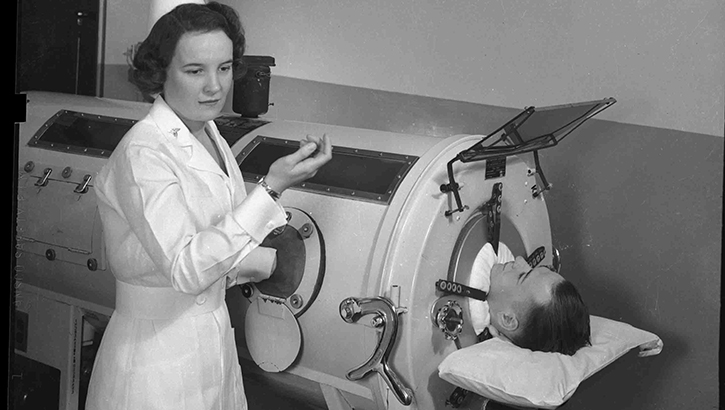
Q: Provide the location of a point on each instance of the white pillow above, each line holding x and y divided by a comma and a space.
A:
501, 371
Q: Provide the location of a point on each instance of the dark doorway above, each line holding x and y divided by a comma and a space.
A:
58, 46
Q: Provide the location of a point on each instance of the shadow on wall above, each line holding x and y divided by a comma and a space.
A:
637, 217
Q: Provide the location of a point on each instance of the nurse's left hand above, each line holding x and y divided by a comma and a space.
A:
314, 152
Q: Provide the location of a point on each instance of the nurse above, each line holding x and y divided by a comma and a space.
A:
179, 226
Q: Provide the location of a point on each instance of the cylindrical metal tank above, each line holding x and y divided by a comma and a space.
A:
352, 316
395, 247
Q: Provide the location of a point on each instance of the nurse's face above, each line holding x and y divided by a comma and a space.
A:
199, 77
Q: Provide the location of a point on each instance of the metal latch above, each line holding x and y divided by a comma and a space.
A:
43, 181
82, 188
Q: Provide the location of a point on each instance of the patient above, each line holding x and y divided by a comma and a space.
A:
536, 309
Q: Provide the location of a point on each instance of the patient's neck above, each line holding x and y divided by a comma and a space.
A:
497, 331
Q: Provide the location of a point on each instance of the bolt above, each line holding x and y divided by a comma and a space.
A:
247, 290
346, 312
306, 230
296, 301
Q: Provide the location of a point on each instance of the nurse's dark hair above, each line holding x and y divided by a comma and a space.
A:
560, 326
154, 55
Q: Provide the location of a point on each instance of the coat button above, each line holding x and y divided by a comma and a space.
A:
200, 300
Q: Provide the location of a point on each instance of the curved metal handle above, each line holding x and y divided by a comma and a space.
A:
351, 310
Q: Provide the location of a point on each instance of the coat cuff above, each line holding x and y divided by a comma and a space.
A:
257, 265
259, 214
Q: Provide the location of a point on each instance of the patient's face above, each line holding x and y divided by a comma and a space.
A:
515, 283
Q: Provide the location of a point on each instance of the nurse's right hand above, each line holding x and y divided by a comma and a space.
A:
314, 152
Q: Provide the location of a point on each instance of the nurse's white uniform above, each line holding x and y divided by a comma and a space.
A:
178, 231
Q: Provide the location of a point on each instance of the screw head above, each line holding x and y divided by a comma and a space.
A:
247, 290
296, 301
50, 254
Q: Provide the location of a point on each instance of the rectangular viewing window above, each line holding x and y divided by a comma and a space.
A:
352, 173
81, 133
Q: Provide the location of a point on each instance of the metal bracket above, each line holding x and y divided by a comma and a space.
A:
454, 288
457, 397
535, 190
351, 310
536, 256
454, 187
492, 209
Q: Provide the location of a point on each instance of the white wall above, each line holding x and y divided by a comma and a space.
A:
126, 25
662, 60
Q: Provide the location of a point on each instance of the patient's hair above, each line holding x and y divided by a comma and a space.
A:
155, 53
561, 326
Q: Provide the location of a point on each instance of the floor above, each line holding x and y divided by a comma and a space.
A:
264, 397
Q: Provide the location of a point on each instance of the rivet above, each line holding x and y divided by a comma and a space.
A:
50, 254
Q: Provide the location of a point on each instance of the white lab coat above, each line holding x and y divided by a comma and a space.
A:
178, 231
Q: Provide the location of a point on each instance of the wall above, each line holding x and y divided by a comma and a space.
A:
126, 25
636, 208
662, 59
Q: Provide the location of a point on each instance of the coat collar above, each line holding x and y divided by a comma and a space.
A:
176, 131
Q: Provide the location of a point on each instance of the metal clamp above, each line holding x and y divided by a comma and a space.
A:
82, 188
351, 310
44, 180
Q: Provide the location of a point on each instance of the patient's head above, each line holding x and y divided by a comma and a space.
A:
537, 308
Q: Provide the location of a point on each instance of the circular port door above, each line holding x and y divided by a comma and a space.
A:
271, 330
273, 335
297, 279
